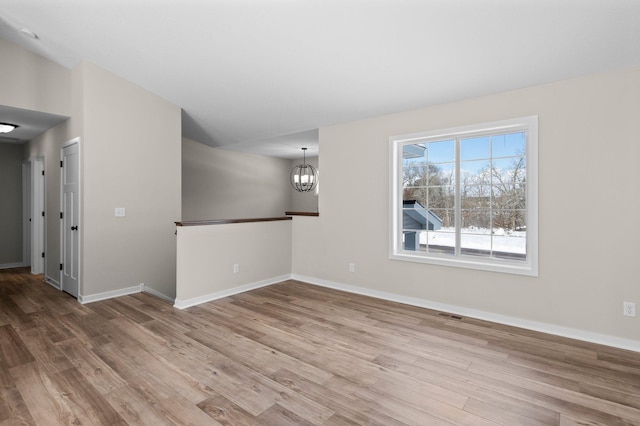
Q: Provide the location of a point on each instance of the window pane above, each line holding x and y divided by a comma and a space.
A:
446, 218
509, 220
475, 245
475, 148
441, 242
414, 153
509, 145
441, 197
474, 196
509, 170
475, 172
414, 194
509, 196
441, 174
415, 218
441, 151
475, 221
414, 176
508, 244
414, 240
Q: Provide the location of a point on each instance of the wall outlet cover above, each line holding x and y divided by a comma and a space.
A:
629, 309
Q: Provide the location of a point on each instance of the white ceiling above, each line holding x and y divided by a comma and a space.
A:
247, 72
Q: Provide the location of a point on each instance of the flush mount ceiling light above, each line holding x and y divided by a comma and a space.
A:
304, 177
6, 127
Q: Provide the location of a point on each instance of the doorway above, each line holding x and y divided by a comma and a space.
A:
70, 217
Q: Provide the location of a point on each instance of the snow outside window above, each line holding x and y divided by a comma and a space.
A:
467, 196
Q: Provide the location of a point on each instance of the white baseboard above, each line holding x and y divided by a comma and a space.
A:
572, 333
186, 303
110, 294
52, 282
12, 265
156, 293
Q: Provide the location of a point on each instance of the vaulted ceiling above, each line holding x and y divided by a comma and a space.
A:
264, 75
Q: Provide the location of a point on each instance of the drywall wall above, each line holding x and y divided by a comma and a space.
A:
11, 196
31, 82
588, 176
220, 184
130, 151
304, 201
207, 255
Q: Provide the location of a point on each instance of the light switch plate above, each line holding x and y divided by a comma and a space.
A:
120, 212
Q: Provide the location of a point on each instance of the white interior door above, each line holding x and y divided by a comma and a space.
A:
37, 216
70, 238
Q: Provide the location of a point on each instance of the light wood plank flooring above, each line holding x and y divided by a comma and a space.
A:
292, 354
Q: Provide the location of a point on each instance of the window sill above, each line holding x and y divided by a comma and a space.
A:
506, 267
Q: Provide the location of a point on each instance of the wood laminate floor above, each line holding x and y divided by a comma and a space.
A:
292, 354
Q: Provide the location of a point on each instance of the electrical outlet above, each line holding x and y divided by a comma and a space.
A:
236, 268
352, 267
629, 309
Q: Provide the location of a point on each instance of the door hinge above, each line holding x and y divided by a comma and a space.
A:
42, 254
42, 214
60, 163
61, 215
61, 266
43, 173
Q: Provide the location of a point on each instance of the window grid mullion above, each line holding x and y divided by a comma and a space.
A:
458, 210
491, 195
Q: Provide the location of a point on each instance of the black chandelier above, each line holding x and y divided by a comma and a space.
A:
304, 177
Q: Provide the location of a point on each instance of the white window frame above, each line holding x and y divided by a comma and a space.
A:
521, 267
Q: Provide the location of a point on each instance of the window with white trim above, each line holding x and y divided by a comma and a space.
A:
467, 196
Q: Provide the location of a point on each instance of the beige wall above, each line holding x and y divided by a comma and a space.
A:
588, 185
11, 196
207, 254
130, 154
32, 82
304, 201
130, 157
220, 184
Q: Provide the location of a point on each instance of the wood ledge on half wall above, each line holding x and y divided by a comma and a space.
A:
228, 221
316, 214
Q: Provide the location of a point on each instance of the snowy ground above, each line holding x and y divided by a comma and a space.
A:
479, 238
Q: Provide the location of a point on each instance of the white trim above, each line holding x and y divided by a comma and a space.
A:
70, 142
186, 303
38, 212
156, 293
52, 282
26, 212
110, 294
12, 265
572, 333
528, 267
